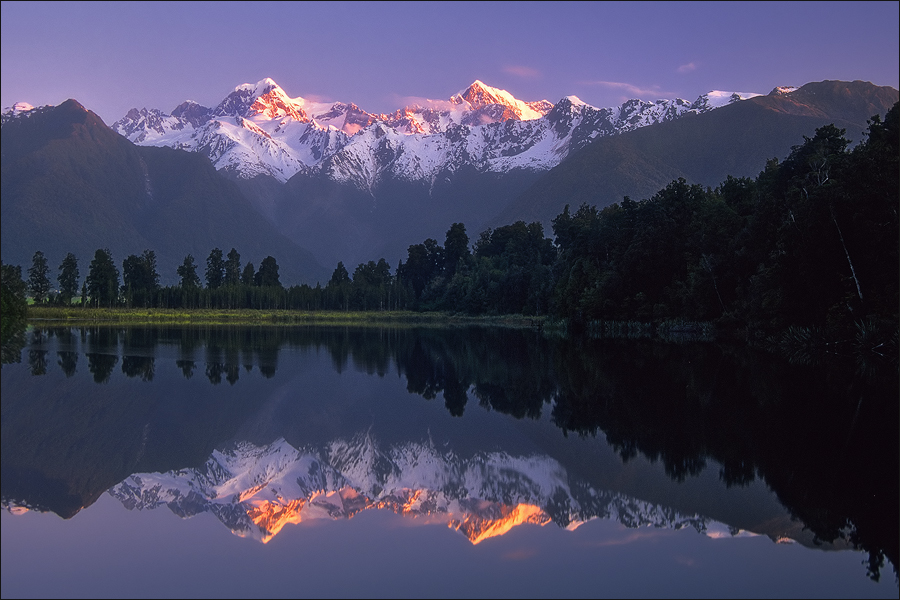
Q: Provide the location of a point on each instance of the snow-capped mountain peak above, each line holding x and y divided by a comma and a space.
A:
19, 107
258, 129
783, 90
265, 98
576, 101
718, 99
479, 96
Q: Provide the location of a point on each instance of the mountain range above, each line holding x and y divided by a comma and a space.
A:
315, 183
259, 130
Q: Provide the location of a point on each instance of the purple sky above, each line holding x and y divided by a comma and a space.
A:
114, 56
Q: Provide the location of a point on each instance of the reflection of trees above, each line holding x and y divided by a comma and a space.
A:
37, 362
139, 366
508, 370
103, 339
13, 341
140, 340
799, 429
101, 366
187, 367
822, 438
68, 361
214, 372
519, 381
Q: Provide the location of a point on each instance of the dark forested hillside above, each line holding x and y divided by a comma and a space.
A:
340, 222
704, 149
810, 242
71, 184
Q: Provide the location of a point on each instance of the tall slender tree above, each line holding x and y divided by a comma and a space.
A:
233, 268
68, 278
188, 273
103, 279
248, 274
456, 248
38, 281
215, 269
141, 280
13, 294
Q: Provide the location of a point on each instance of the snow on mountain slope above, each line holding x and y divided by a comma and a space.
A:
255, 490
19, 110
479, 96
258, 129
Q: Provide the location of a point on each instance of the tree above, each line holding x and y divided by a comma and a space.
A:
233, 268
267, 276
38, 282
103, 279
338, 287
13, 293
68, 278
141, 280
215, 269
370, 286
132, 278
456, 248
340, 275
188, 273
424, 262
248, 275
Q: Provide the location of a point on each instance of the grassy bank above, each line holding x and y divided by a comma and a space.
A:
145, 316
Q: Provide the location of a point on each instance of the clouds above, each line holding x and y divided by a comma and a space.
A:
633, 91
687, 68
522, 71
407, 101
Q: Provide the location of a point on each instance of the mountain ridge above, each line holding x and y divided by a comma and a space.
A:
351, 186
71, 184
295, 142
734, 140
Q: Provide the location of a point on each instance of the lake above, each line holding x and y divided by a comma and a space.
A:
236, 461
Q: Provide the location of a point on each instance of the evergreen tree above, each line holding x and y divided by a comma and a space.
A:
13, 293
140, 279
215, 269
338, 288
424, 262
68, 278
38, 281
188, 273
267, 276
456, 248
248, 274
233, 268
103, 279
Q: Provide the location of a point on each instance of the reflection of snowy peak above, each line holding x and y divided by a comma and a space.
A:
255, 491
258, 129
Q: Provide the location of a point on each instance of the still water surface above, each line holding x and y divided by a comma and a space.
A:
276, 461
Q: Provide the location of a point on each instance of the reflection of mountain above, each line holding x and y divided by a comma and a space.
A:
740, 438
255, 491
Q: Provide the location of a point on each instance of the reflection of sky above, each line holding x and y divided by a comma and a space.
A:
109, 551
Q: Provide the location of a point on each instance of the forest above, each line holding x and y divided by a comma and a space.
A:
806, 252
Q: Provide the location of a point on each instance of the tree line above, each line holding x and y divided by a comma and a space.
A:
811, 242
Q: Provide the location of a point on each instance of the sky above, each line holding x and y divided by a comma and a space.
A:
114, 56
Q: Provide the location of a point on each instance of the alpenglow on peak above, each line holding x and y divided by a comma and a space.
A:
259, 130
